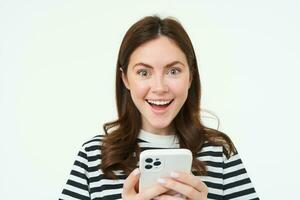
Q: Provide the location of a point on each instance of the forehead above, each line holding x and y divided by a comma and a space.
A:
158, 52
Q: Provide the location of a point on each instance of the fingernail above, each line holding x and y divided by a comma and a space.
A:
174, 175
179, 195
161, 180
136, 171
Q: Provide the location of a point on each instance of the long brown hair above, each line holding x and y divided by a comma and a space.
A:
120, 149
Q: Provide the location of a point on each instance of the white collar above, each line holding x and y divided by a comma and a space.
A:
167, 140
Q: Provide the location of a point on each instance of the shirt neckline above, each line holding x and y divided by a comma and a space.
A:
167, 140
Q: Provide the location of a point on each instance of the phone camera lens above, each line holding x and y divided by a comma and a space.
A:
148, 166
149, 160
157, 163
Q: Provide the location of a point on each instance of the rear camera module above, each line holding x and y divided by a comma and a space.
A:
148, 166
156, 163
149, 160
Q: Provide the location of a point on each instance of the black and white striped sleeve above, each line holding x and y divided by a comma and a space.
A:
237, 184
77, 186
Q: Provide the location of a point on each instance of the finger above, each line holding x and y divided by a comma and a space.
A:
152, 192
182, 188
130, 182
190, 179
171, 193
169, 197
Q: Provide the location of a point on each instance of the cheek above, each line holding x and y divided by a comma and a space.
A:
179, 88
139, 90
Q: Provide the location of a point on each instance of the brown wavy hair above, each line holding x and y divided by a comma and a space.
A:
120, 150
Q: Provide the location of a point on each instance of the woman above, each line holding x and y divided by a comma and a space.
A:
158, 101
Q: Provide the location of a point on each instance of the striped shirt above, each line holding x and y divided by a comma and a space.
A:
226, 178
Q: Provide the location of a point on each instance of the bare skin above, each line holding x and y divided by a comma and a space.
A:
178, 186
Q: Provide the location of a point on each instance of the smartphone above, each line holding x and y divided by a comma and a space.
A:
156, 163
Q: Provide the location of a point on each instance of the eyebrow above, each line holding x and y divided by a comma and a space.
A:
149, 66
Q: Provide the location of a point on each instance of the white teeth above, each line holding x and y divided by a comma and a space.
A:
159, 102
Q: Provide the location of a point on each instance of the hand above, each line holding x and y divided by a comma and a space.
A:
189, 186
130, 191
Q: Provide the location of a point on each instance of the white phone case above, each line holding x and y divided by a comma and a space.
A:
158, 163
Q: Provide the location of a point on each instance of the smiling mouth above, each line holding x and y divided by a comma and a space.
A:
159, 103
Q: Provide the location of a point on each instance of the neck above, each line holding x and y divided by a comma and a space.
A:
163, 131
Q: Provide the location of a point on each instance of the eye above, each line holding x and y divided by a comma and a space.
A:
174, 71
143, 72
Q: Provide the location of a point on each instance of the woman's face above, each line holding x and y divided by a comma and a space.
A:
158, 78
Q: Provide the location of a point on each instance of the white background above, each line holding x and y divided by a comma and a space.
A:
57, 65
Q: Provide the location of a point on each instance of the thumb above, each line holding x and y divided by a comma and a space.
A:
130, 183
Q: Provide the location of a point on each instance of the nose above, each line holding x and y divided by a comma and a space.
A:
159, 85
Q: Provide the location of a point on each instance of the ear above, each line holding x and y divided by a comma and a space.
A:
124, 79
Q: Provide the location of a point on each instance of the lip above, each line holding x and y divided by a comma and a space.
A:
159, 99
159, 110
